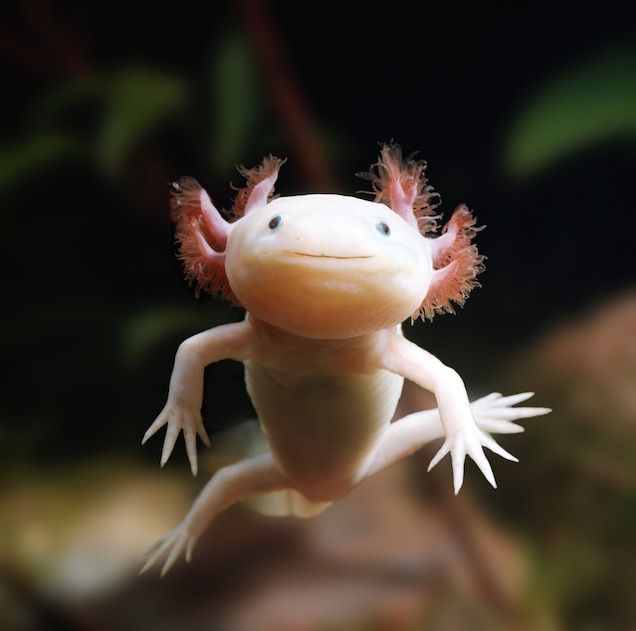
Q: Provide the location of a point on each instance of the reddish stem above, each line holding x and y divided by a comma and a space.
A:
287, 99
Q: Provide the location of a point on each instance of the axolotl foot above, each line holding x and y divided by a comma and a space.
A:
178, 417
493, 413
171, 546
239, 481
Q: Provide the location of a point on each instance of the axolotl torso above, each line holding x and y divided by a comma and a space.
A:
332, 286
326, 281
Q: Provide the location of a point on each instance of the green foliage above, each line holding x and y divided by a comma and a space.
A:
122, 109
588, 105
143, 332
138, 101
128, 106
66, 99
236, 102
18, 161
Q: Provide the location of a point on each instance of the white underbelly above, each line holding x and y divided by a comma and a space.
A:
322, 428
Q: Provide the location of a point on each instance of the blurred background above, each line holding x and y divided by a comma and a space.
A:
527, 113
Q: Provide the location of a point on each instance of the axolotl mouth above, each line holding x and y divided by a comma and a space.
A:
347, 264
331, 256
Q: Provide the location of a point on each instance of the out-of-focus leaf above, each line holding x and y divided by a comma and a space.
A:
236, 101
19, 161
76, 93
590, 104
139, 101
144, 331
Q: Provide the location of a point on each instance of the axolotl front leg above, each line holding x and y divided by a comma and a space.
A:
182, 411
463, 436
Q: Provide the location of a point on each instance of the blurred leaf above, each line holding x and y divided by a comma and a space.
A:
67, 97
143, 332
590, 104
139, 101
19, 161
132, 103
236, 100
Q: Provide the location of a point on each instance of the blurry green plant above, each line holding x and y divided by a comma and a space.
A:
236, 102
19, 160
143, 332
137, 102
587, 105
128, 105
106, 117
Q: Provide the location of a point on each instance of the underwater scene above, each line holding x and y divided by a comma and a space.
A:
525, 113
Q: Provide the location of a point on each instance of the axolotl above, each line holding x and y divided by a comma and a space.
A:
326, 282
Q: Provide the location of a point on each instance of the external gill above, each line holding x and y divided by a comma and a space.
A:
201, 233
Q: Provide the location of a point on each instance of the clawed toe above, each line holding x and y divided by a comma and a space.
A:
171, 546
179, 418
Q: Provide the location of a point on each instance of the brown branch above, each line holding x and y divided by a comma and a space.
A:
286, 97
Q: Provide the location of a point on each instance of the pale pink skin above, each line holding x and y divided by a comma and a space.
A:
325, 292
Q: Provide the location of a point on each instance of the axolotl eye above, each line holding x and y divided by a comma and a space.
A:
275, 222
383, 228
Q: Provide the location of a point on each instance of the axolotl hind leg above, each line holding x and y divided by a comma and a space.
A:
493, 414
233, 483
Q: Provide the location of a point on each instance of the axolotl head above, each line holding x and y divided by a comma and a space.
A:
329, 266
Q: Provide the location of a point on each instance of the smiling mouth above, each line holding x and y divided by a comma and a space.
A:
328, 256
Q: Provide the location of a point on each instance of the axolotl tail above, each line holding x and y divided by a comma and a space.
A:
246, 440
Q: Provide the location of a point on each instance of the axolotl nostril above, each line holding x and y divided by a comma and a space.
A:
326, 281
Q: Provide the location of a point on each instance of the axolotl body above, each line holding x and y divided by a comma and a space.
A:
326, 281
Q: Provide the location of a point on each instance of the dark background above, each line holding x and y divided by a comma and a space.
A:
525, 112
